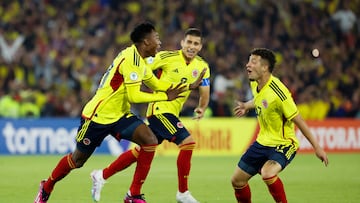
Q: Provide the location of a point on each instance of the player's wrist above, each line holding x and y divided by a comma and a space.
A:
190, 87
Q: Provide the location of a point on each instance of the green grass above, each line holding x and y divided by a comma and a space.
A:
305, 180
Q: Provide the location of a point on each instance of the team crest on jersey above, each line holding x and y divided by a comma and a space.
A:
195, 73
86, 141
133, 76
265, 103
179, 125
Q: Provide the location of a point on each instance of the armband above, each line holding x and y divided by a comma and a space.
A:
205, 82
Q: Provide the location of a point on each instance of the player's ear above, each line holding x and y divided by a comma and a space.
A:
146, 41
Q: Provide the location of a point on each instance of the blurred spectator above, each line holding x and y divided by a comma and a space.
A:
345, 21
10, 102
10, 43
58, 50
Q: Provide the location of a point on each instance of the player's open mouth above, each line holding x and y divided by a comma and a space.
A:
190, 52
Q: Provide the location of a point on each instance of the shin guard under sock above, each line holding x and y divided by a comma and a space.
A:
184, 165
145, 158
123, 161
276, 189
65, 165
243, 195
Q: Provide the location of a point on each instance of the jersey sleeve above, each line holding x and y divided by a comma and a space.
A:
135, 95
206, 78
133, 77
132, 74
153, 82
207, 73
289, 107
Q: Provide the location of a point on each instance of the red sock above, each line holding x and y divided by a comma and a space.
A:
65, 165
276, 189
184, 165
243, 195
145, 158
123, 161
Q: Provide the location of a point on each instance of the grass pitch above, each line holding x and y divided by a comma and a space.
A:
306, 180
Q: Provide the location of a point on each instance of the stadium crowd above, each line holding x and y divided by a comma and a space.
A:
54, 52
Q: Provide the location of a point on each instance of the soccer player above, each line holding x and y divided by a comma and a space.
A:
108, 112
163, 116
276, 143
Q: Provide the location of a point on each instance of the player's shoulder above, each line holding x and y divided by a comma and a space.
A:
276, 82
128, 51
201, 60
168, 54
131, 55
279, 88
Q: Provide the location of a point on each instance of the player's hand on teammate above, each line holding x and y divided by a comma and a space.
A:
174, 92
240, 109
198, 81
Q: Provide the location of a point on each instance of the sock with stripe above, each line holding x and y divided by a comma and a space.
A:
243, 195
65, 165
142, 169
184, 165
123, 161
276, 189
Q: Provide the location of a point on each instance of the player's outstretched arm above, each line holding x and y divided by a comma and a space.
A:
242, 108
301, 124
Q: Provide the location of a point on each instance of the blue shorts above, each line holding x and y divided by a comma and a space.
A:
168, 127
90, 134
255, 157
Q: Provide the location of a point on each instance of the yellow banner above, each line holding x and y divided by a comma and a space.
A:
215, 136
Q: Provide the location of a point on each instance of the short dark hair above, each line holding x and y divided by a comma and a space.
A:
140, 31
194, 32
266, 54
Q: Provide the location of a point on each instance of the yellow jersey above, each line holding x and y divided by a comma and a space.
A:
275, 108
173, 68
120, 82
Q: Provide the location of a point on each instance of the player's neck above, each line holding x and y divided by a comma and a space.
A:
187, 60
142, 52
262, 81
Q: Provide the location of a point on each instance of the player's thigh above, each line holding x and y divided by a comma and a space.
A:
168, 127
283, 154
89, 136
144, 136
132, 128
254, 158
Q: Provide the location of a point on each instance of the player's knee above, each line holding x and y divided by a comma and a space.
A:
188, 140
237, 182
270, 169
187, 146
146, 139
79, 163
267, 174
151, 140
